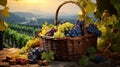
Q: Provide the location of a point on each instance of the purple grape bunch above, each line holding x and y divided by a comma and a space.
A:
92, 29
76, 30
51, 32
35, 54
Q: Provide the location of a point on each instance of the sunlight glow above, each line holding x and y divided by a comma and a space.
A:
33, 1
41, 6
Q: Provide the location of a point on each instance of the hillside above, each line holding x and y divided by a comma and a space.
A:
18, 17
14, 18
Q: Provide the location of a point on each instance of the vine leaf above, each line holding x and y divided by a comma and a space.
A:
49, 56
116, 3
88, 5
44, 55
111, 20
3, 2
5, 12
91, 50
84, 60
117, 25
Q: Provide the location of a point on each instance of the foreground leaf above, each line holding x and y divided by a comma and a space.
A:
3, 2
5, 12
84, 60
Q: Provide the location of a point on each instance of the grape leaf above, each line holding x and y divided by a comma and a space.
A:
92, 56
5, 12
114, 18
83, 4
88, 5
116, 3
79, 1
44, 24
116, 42
3, 2
111, 20
84, 60
51, 55
117, 6
91, 50
44, 55
117, 25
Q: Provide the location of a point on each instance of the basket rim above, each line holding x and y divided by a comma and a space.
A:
68, 38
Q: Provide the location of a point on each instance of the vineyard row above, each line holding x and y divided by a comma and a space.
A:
24, 29
15, 39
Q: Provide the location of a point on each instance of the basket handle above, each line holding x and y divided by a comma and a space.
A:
83, 14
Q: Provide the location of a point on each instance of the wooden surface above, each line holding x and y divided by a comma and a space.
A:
11, 51
8, 52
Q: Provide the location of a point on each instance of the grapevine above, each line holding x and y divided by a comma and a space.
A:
24, 29
20, 39
110, 33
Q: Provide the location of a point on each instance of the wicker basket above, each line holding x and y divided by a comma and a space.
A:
70, 48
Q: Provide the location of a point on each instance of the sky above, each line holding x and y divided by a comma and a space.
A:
42, 6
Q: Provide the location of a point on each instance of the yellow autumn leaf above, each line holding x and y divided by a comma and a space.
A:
3, 2
88, 5
3, 26
5, 12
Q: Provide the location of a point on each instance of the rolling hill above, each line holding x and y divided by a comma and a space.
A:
14, 18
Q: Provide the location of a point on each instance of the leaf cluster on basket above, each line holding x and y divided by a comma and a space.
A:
67, 29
